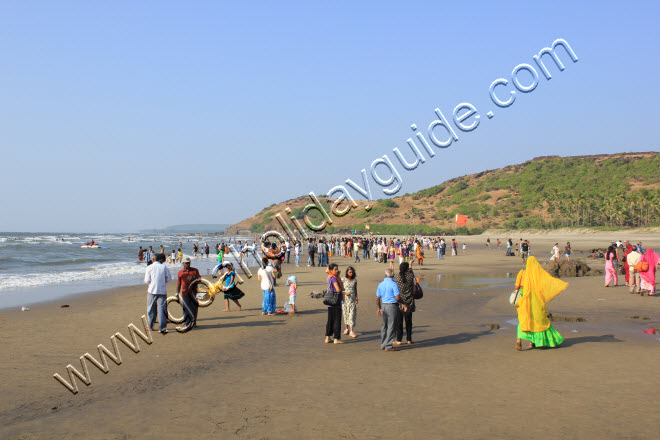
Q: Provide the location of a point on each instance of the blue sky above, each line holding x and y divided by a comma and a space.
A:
130, 115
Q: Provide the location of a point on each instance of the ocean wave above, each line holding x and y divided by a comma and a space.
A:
98, 272
69, 261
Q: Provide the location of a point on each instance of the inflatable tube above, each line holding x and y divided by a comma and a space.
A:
174, 319
206, 292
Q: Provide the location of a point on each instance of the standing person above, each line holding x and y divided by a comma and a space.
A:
296, 251
567, 251
420, 255
509, 246
149, 255
524, 250
232, 292
157, 276
443, 248
322, 252
454, 247
207, 250
195, 250
535, 288
391, 253
648, 275
624, 260
387, 300
311, 250
140, 254
634, 279
268, 287
292, 282
610, 269
356, 251
488, 243
405, 280
187, 287
349, 306
287, 245
333, 325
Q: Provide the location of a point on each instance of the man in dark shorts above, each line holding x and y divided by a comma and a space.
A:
187, 286
524, 250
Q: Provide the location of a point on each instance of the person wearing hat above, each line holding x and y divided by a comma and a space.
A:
187, 287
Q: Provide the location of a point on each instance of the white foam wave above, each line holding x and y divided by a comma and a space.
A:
98, 272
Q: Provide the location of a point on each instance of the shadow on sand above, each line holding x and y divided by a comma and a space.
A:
568, 342
458, 338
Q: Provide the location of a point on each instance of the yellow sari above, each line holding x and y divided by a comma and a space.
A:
538, 288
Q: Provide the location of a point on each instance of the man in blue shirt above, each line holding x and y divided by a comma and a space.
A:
388, 300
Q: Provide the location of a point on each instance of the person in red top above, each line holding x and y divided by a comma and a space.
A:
187, 286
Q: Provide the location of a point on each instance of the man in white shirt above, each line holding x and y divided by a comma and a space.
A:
157, 276
265, 275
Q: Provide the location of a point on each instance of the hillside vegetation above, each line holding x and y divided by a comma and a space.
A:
608, 191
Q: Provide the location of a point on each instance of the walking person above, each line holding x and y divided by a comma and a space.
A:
157, 276
333, 324
534, 289
187, 287
387, 300
649, 261
356, 251
232, 292
349, 306
405, 280
634, 279
610, 269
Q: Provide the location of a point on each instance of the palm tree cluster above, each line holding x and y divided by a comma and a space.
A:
634, 209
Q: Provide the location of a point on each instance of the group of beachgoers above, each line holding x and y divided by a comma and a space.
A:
638, 265
534, 287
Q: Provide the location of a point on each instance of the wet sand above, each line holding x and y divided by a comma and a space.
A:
242, 375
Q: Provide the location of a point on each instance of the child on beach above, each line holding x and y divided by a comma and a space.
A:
292, 282
180, 256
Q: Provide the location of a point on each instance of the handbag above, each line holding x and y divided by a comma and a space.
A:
330, 297
417, 292
513, 299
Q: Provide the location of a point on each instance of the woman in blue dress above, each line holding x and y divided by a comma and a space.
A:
231, 291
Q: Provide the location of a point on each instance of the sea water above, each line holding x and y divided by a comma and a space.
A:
38, 267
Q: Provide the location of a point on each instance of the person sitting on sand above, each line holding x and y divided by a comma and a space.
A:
535, 288
231, 291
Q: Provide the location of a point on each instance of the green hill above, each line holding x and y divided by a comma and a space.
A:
615, 191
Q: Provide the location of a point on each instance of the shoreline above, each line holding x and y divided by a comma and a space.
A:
252, 376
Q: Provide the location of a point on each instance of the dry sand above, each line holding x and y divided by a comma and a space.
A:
242, 375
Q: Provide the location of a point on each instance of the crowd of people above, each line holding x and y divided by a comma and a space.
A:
396, 294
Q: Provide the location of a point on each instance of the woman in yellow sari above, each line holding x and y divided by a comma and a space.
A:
536, 288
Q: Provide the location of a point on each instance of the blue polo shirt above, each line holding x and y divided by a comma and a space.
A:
387, 291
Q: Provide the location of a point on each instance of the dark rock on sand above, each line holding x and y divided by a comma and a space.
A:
567, 269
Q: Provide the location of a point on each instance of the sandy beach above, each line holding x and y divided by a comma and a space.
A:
243, 375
